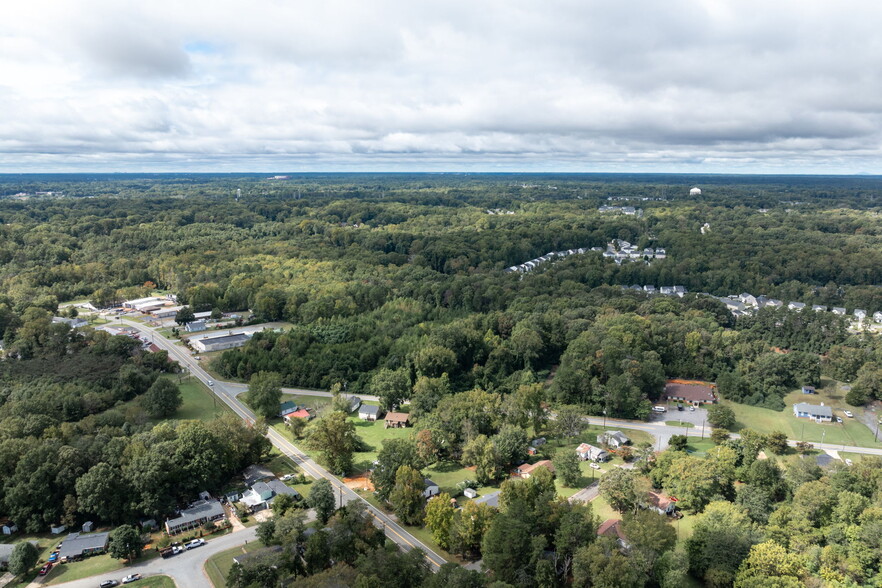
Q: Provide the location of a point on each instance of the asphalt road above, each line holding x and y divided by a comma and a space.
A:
227, 392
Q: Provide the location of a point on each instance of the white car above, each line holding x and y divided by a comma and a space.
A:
211, 382
594, 466
848, 413
131, 578
848, 462
195, 543
287, 477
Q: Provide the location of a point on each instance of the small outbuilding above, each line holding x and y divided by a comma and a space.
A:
470, 493
614, 439
432, 488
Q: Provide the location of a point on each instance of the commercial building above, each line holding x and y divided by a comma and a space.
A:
219, 342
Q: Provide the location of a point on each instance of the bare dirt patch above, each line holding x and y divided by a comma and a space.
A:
359, 482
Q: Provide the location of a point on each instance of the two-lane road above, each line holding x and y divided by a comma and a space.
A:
227, 392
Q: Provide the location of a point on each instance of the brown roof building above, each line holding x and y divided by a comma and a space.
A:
694, 392
613, 528
526, 470
397, 420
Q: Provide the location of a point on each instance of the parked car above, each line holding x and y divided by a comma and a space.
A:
659, 409
848, 413
108, 584
848, 462
53, 557
131, 578
195, 543
45, 569
838, 419
691, 409
594, 466
287, 477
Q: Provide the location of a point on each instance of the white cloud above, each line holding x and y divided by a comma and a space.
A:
696, 85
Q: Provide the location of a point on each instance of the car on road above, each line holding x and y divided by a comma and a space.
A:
848, 413
131, 578
210, 382
108, 584
691, 409
45, 569
195, 543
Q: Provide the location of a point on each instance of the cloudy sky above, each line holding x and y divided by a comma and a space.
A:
389, 85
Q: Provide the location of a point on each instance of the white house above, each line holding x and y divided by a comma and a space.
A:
614, 439
877, 316
589, 452
838, 310
432, 488
369, 412
797, 306
817, 413
860, 314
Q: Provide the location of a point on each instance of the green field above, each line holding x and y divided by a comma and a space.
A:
849, 432
199, 402
681, 424
92, 566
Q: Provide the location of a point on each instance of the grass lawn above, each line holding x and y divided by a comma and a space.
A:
373, 434
91, 566
199, 402
849, 432
156, 582
699, 448
218, 566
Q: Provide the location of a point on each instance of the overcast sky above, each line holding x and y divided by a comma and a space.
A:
388, 85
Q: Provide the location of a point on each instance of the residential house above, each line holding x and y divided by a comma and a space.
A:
817, 413
838, 310
877, 317
368, 412
491, 499
860, 314
73, 323
266, 552
614, 439
797, 306
613, 528
649, 289
661, 504
808, 390
195, 326
431, 489
287, 407
680, 291
81, 544
660, 253
199, 513
819, 308
354, 403
258, 497
526, 470
397, 420
300, 413
695, 393
590, 452
748, 299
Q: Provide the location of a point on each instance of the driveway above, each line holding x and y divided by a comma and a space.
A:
586, 494
186, 569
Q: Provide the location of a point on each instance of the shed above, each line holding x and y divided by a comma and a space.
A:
470, 493
57, 529
354, 403
87, 526
614, 439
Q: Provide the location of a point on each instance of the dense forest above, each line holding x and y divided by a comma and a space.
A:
405, 272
